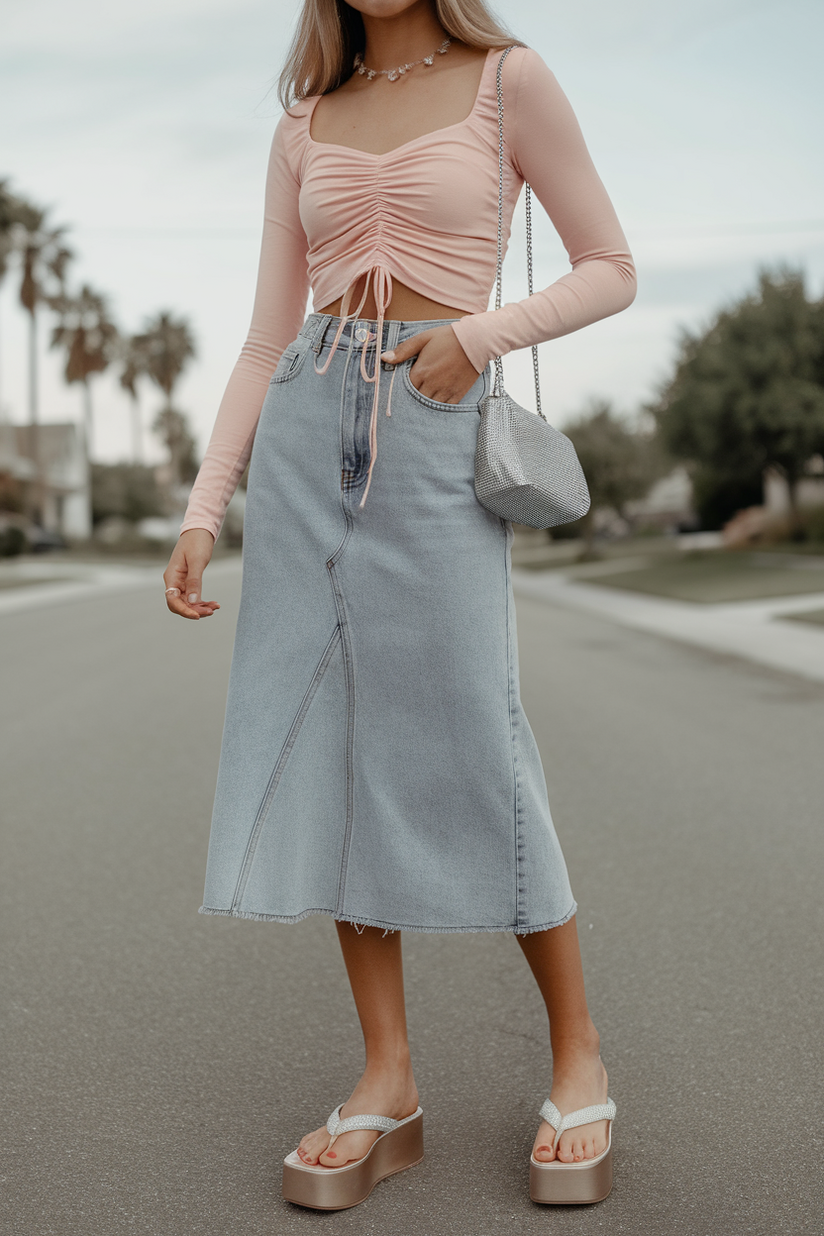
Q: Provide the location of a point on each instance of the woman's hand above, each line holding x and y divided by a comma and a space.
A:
184, 574
443, 369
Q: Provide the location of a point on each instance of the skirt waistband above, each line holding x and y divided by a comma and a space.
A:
355, 332
321, 328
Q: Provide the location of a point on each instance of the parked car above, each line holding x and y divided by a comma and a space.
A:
42, 541
19, 535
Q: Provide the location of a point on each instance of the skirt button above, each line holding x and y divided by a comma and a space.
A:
361, 333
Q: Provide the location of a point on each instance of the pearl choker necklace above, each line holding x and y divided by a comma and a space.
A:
394, 74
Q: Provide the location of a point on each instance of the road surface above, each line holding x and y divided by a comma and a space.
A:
158, 1063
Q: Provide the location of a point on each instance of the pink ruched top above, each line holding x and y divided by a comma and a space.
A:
426, 214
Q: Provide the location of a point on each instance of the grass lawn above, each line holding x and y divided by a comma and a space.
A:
816, 616
716, 576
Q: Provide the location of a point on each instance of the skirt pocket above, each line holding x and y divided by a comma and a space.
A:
291, 360
470, 403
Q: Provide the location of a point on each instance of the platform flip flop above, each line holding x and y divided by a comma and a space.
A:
566, 1184
399, 1146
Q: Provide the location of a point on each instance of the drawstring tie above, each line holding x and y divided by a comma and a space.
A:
382, 284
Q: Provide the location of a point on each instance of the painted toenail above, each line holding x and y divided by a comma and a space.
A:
331, 1154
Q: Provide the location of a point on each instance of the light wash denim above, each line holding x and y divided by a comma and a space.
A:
377, 764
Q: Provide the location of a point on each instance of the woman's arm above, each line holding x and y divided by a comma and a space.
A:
278, 314
547, 148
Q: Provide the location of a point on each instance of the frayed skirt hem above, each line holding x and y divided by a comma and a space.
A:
371, 922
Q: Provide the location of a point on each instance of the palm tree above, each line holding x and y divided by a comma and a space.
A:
170, 345
44, 260
9, 211
8, 217
89, 337
134, 356
173, 428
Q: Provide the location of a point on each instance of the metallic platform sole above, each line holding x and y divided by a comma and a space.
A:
567, 1184
337, 1188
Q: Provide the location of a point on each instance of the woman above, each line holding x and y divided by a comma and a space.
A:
377, 765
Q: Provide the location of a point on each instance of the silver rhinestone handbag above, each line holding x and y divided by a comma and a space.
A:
525, 470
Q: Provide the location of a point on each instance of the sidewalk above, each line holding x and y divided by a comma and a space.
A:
749, 629
27, 584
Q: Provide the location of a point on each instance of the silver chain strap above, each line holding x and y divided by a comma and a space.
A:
499, 369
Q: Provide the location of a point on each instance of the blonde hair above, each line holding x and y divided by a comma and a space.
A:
330, 32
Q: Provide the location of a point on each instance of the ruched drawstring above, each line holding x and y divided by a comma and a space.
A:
382, 285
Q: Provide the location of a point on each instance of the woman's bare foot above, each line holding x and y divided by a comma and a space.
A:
381, 1091
579, 1079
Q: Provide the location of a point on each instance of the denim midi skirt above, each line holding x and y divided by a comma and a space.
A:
376, 763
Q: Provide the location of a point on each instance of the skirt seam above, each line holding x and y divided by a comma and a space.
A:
280, 764
349, 675
510, 684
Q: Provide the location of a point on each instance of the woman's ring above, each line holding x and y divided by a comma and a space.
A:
173, 590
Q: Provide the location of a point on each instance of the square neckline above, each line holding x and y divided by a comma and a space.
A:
432, 132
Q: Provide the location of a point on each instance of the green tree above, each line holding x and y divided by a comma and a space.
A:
127, 490
748, 391
619, 462
717, 493
89, 337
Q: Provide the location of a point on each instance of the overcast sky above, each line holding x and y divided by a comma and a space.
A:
146, 128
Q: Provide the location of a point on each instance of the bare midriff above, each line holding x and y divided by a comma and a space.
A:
406, 305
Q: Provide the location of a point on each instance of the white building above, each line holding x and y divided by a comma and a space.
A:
67, 502
809, 490
667, 503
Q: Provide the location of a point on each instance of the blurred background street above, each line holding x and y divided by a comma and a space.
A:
158, 1064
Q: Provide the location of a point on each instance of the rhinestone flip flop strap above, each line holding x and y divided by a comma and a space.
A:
335, 1126
585, 1115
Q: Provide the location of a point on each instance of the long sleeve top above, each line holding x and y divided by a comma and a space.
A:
426, 213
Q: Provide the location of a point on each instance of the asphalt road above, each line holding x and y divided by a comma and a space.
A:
158, 1064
